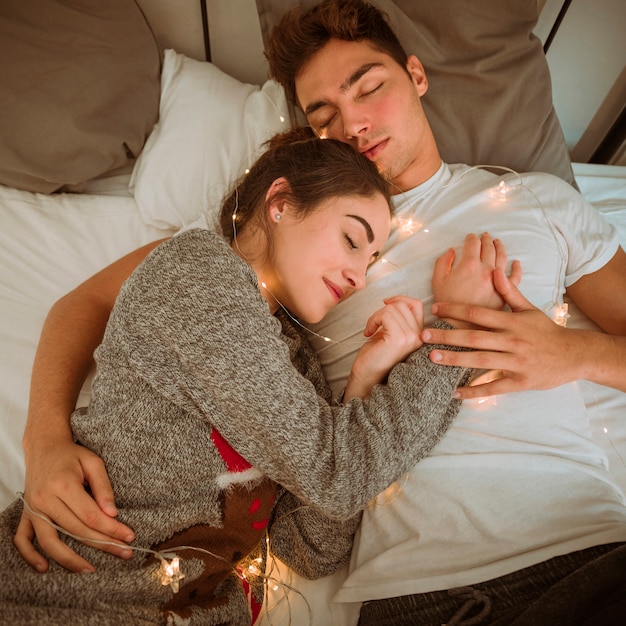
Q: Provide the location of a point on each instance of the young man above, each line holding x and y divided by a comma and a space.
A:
516, 496
517, 483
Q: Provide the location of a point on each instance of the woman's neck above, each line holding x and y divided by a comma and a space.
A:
250, 250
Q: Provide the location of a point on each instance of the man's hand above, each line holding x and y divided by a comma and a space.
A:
527, 347
55, 487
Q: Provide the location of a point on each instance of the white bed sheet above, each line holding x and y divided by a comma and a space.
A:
605, 187
49, 244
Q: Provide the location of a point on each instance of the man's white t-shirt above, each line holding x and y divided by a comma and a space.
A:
518, 478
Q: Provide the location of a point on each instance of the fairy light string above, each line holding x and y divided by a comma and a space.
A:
501, 193
170, 573
263, 284
557, 311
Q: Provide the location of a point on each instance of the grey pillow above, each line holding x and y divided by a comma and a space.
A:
79, 90
489, 99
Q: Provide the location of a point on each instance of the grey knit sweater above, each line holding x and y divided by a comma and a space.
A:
193, 368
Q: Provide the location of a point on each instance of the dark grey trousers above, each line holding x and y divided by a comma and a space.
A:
583, 588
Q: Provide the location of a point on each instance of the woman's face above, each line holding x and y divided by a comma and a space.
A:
321, 259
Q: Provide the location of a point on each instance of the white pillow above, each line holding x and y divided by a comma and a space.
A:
211, 128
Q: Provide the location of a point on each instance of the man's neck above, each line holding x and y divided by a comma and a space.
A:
416, 175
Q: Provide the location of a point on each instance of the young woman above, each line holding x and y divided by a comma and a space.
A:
211, 414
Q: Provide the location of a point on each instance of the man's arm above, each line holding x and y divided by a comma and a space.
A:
534, 352
57, 470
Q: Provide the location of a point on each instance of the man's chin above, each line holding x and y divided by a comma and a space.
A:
384, 171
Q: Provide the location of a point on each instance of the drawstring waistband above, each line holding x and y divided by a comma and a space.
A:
473, 598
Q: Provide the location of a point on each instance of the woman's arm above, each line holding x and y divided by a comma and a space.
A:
421, 423
311, 543
392, 330
193, 325
57, 470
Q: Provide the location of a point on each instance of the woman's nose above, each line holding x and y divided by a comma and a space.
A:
356, 278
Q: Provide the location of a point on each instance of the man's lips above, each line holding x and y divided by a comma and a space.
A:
373, 151
335, 290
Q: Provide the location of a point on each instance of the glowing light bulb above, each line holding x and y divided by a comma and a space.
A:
500, 192
170, 573
561, 315
252, 569
482, 378
409, 226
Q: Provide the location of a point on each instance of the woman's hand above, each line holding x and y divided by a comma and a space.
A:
470, 279
56, 476
394, 333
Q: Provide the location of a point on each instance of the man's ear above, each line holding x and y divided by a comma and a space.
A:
275, 200
417, 73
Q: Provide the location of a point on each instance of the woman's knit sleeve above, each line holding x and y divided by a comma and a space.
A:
307, 540
201, 334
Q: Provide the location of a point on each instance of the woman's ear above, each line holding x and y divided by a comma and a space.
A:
275, 200
417, 73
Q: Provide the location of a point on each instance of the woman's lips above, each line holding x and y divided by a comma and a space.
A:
336, 291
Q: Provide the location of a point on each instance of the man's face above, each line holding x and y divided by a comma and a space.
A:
352, 92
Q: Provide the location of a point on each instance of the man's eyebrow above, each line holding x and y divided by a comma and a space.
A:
364, 69
353, 78
366, 225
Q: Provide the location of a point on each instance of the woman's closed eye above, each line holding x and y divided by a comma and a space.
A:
351, 244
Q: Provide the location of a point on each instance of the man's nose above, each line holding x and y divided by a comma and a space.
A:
355, 123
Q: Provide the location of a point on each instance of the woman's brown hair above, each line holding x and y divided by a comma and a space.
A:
315, 169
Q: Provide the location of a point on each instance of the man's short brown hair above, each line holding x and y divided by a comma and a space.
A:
300, 34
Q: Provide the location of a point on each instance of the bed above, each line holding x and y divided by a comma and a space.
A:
113, 141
